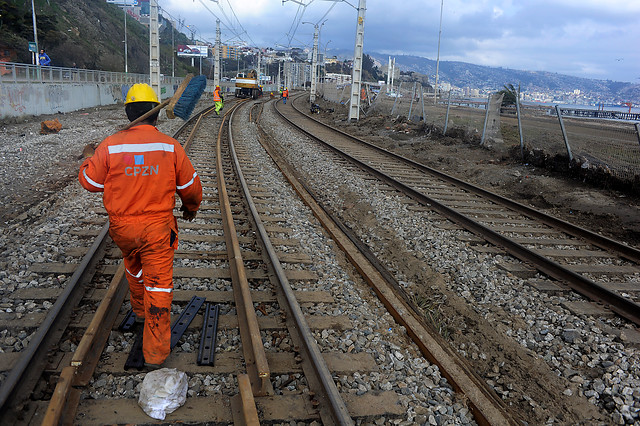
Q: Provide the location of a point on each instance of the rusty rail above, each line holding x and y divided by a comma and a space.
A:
252, 346
336, 407
622, 306
485, 404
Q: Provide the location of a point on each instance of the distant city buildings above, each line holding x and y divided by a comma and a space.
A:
230, 52
338, 78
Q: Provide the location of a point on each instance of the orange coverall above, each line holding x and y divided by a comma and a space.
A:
139, 171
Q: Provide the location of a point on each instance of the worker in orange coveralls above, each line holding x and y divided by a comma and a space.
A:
139, 170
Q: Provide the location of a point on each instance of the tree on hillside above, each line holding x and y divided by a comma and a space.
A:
338, 68
511, 94
370, 72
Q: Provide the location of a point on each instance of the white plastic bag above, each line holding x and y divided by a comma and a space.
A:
163, 391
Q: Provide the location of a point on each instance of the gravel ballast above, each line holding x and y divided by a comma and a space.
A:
42, 203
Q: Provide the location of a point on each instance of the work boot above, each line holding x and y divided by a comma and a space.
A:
152, 366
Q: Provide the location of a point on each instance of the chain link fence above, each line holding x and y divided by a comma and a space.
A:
612, 147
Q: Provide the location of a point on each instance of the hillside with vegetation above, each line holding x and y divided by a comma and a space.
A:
88, 33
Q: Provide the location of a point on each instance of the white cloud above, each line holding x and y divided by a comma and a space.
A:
579, 37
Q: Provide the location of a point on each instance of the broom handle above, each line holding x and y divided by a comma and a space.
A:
176, 96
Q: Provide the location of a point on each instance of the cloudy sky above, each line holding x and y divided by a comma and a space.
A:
585, 38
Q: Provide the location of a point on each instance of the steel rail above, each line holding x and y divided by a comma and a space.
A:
252, 346
22, 377
486, 406
65, 399
592, 290
624, 250
20, 381
338, 408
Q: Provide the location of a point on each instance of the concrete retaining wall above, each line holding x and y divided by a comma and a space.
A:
19, 99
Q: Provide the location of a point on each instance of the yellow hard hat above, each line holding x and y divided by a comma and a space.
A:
141, 92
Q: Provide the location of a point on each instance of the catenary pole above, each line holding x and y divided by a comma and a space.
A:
173, 51
216, 74
126, 65
278, 79
356, 78
388, 74
435, 90
393, 71
314, 65
154, 48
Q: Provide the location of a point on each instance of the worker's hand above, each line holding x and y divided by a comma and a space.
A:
88, 151
186, 214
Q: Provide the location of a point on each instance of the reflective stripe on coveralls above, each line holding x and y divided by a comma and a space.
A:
88, 179
136, 275
188, 184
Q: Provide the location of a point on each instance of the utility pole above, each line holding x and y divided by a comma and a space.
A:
314, 65
278, 82
435, 90
388, 74
393, 72
356, 78
173, 51
286, 70
36, 60
192, 42
216, 75
154, 48
126, 66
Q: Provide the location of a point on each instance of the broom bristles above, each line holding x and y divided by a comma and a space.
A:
190, 97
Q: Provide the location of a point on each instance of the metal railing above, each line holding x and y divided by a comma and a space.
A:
11, 72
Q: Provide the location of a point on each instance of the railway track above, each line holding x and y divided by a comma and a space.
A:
282, 328
604, 271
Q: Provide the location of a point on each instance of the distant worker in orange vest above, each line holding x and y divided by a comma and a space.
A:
139, 171
363, 94
218, 100
285, 95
